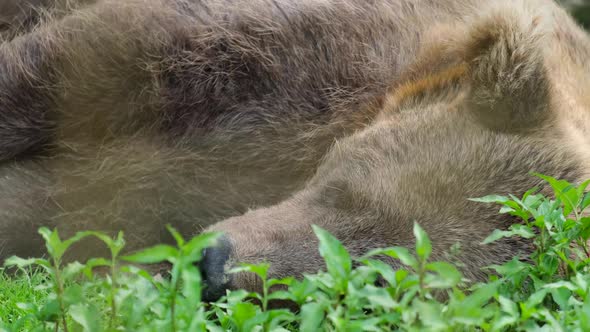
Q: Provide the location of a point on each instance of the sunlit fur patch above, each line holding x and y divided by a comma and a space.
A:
422, 86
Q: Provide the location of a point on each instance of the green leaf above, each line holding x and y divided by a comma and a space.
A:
378, 297
582, 187
585, 201
507, 209
280, 317
561, 296
564, 191
237, 296
338, 261
515, 230
242, 313
400, 253
304, 289
511, 268
448, 275
177, 236
312, 316
423, 245
52, 241
508, 306
114, 245
501, 323
529, 196
260, 270
561, 284
156, 254
87, 316
191, 284
73, 295
491, 199
384, 269
431, 315
481, 295
71, 270
194, 248
118, 244
93, 263
55, 246
584, 312
283, 281
585, 228
536, 298
281, 295
50, 311
23, 263
522, 230
496, 235
549, 264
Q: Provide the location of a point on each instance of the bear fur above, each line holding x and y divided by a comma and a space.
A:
488, 101
358, 116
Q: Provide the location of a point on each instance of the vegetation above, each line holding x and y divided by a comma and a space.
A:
580, 10
550, 290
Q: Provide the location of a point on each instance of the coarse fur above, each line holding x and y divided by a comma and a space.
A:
488, 100
135, 114
358, 116
16, 14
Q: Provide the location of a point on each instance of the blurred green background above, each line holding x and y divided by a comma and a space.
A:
580, 9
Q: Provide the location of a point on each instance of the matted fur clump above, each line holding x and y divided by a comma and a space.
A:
359, 116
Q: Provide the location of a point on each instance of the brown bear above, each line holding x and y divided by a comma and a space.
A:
488, 100
135, 114
358, 116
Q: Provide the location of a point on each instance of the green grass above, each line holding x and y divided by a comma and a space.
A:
548, 292
18, 293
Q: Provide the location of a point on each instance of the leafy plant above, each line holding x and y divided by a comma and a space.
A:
550, 290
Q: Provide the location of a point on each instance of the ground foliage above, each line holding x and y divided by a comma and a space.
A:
548, 291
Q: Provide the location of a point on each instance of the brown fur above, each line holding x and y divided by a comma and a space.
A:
139, 113
355, 115
477, 122
15, 14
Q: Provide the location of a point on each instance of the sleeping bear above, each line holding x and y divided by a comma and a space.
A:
260, 118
